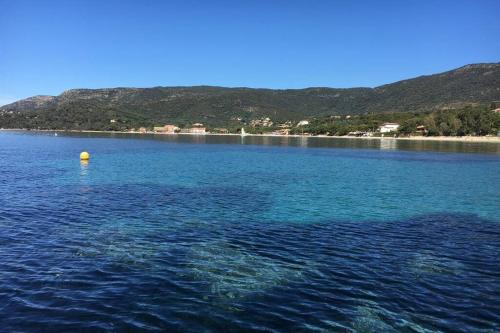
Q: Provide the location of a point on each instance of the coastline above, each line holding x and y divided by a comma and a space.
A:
472, 139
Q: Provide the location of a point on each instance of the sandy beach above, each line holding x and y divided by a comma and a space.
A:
482, 139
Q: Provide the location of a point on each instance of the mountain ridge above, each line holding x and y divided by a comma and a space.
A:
84, 108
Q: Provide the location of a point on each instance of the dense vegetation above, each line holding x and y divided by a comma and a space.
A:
470, 120
232, 108
466, 121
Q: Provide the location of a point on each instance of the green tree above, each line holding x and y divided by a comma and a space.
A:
430, 125
408, 126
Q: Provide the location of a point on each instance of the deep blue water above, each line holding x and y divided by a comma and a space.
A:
212, 234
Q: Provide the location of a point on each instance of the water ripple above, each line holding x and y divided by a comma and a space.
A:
207, 250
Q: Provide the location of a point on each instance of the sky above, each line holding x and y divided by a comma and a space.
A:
47, 47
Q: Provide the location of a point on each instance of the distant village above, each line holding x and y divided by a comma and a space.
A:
472, 121
468, 120
263, 123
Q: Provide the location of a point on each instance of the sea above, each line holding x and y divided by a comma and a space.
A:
186, 233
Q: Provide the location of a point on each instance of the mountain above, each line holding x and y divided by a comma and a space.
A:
219, 106
33, 103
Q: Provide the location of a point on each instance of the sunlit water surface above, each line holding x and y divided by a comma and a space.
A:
218, 233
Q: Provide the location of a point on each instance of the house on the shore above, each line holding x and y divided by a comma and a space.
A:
286, 124
262, 122
421, 130
388, 127
197, 128
167, 129
220, 130
282, 131
303, 123
360, 133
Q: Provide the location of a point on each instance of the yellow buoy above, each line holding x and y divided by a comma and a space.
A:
84, 156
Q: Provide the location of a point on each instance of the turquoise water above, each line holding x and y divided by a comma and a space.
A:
248, 234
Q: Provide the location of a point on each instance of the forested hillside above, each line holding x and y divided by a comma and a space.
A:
125, 108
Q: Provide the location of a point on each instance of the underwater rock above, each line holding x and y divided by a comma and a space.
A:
368, 320
425, 263
373, 318
234, 273
124, 242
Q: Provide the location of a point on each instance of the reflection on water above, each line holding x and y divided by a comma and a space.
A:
284, 141
199, 139
84, 170
315, 142
266, 140
389, 144
303, 141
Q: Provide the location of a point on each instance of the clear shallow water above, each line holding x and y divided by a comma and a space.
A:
206, 234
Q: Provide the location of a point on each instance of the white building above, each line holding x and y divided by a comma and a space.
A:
264, 122
303, 123
194, 130
197, 130
388, 127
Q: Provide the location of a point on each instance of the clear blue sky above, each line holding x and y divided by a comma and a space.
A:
47, 47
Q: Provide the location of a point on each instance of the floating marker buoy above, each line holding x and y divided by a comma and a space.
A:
84, 156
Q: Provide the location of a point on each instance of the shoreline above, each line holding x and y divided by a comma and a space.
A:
472, 139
